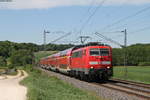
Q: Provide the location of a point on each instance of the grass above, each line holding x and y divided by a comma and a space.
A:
135, 73
13, 73
43, 87
4, 69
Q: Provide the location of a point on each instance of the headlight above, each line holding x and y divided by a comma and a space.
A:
92, 67
93, 62
108, 67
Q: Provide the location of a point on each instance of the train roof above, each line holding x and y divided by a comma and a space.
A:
89, 44
67, 51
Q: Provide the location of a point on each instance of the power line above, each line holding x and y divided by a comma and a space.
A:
61, 37
85, 15
139, 30
89, 8
92, 14
127, 17
86, 20
136, 22
112, 32
58, 32
108, 39
117, 36
92, 2
70, 41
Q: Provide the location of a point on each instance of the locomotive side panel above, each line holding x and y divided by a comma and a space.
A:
79, 60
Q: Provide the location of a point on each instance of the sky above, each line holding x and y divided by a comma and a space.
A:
25, 20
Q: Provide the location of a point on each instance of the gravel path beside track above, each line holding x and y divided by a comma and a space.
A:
10, 89
99, 90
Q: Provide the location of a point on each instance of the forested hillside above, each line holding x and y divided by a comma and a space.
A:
138, 54
18, 54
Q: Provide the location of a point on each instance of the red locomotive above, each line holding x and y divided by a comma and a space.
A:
89, 61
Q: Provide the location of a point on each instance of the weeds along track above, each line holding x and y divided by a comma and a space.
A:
113, 89
132, 88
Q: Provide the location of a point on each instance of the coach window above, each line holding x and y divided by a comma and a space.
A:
74, 55
77, 54
80, 53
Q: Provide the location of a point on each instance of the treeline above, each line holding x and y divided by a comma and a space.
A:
18, 54
138, 54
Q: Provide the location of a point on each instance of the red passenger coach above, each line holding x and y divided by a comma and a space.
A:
89, 61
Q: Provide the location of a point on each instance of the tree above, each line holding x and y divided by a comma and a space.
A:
2, 61
136, 55
21, 57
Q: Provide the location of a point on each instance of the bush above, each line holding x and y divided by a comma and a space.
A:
144, 64
3, 61
21, 57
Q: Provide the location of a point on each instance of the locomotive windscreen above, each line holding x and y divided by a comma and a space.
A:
99, 52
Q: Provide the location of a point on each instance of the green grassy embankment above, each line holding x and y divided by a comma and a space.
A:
134, 73
43, 87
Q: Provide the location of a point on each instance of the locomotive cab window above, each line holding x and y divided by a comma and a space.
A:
104, 52
94, 52
99, 52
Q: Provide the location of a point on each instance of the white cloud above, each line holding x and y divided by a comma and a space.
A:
30, 4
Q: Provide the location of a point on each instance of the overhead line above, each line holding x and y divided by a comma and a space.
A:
143, 29
89, 18
61, 37
82, 27
135, 23
108, 39
70, 41
88, 10
112, 32
92, 2
127, 17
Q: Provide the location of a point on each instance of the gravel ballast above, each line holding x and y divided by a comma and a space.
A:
99, 90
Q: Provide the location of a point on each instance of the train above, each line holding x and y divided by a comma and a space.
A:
87, 62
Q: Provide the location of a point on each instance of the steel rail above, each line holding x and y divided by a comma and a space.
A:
132, 88
124, 90
143, 85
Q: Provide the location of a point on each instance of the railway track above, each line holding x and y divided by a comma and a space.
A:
139, 90
132, 88
143, 85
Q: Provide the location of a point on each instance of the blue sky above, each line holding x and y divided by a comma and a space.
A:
25, 22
